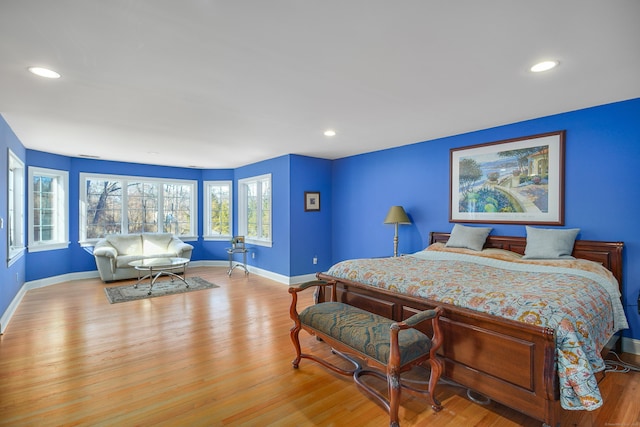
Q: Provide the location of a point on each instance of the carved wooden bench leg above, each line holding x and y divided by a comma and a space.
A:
393, 377
294, 333
437, 367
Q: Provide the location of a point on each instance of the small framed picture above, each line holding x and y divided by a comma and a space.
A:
311, 201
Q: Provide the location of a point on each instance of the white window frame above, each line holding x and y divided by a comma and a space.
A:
193, 224
60, 212
15, 208
243, 210
207, 227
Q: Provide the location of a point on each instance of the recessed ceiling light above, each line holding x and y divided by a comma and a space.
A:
44, 72
329, 132
544, 66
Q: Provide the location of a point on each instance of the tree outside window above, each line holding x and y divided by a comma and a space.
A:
254, 205
218, 210
49, 209
135, 205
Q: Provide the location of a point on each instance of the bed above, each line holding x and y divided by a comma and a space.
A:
496, 343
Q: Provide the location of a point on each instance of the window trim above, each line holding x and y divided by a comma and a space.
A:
61, 213
15, 207
84, 176
242, 210
206, 231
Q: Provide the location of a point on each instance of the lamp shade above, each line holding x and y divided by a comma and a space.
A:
397, 215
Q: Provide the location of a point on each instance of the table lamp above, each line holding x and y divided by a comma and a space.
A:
396, 215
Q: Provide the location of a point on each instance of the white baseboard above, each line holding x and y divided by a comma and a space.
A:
41, 283
630, 345
8, 313
285, 280
54, 280
260, 272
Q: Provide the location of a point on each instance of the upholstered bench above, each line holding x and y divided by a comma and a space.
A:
374, 339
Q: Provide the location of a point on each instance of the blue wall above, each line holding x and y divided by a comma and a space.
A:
60, 261
276, 258
310, 230
602, 174
212, 249
11, 278
602, 170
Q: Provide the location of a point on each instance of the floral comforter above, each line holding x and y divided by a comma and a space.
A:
579, 299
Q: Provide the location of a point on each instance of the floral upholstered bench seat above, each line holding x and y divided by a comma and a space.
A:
388, 347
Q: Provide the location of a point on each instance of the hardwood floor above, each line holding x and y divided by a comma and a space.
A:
217, 357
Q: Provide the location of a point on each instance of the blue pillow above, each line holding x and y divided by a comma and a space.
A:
468, 237
547, 243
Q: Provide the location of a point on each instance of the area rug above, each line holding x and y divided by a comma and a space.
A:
126, 293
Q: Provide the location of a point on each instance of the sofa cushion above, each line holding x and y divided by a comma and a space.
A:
153, 244
123, 261
126, 244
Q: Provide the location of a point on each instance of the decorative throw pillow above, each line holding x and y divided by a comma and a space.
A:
468, 237
547, 243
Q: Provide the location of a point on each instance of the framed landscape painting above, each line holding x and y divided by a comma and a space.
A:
515, 181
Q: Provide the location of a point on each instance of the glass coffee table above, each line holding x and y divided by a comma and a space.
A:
152, 268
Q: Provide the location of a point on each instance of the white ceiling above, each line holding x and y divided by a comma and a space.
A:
221, 84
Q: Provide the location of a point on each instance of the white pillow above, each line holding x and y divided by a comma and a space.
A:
468, 237
547, 243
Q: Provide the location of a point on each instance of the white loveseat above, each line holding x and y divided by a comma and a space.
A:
114, 253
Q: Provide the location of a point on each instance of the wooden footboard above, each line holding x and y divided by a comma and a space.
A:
510, 362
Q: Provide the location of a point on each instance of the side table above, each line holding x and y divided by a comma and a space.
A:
232, 265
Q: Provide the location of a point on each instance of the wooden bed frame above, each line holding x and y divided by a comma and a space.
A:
510, 362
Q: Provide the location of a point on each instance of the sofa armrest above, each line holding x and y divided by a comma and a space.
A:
105, 256
105, 251
182, 249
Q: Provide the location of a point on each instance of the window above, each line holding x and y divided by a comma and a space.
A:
177, 208
217, 210
254, 209
15, 214
48, 213
120, 204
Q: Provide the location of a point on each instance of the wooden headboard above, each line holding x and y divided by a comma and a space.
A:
609, 254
